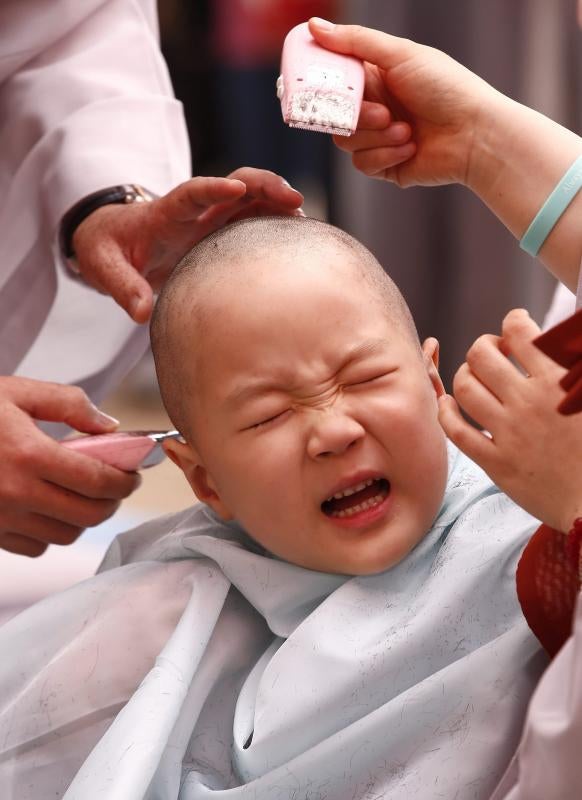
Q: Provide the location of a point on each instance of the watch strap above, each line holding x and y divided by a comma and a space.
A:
124, 193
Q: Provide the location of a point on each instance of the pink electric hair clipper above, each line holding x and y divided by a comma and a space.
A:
319, 90
128, 450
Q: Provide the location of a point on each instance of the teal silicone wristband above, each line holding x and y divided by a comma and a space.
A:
552, 209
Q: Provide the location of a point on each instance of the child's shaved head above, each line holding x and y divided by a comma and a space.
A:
233, 255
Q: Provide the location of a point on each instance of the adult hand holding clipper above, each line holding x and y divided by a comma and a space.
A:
49, 493
462, 131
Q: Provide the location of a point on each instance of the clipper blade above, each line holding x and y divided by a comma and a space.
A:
319, 90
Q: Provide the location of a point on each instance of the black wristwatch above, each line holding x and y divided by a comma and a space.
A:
125, 193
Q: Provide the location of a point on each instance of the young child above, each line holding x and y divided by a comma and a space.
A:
339, 619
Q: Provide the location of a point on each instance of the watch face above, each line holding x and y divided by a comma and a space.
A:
125, 193
137, 194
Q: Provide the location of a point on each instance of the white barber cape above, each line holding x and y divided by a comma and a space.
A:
196, 666
86, 103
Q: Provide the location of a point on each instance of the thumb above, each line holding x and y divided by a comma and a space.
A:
129, 289
116, 276
54, 402
367, 44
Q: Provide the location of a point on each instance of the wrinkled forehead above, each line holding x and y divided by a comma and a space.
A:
290, 320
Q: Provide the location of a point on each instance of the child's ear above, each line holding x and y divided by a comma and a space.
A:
430, 351
187, 458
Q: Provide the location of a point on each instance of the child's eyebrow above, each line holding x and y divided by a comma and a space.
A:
254, 388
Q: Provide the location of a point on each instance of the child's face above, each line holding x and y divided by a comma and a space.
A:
306, 391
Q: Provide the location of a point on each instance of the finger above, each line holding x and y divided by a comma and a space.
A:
256, 208
264, 185
43, 529
104, 264
110, 271
492, 367
66, 506
474, 443
379, 162
55, 402
22, 545
367, 44
38, 466
190, 199
83, 475
248, 206
373, 116
518, 331
396, 134
475, 399
264, 190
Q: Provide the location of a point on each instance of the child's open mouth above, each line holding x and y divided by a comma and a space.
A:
355, 500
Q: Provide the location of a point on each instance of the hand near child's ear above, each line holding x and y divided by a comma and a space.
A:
48, 493
534, 452
127, 251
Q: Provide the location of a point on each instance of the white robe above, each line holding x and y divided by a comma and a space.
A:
85, 103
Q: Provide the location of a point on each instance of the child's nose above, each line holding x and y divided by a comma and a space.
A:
333, 433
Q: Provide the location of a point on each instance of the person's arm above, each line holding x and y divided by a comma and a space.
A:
94, 109
462, 131
48, 493
533, 452
113, 120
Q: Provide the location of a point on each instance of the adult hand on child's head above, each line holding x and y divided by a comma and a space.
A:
48, 493
534, 452
429, 96
127, 251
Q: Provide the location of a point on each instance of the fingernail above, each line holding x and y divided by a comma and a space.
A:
134, 305
324, 24
399, 133
105, 419
288, 185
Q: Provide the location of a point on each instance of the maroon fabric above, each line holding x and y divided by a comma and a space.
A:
563, 344
248, 35
548, 583
548, 574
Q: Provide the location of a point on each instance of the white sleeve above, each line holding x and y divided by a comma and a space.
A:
101, 100
562, 306
92, 106
548, 764
87, 103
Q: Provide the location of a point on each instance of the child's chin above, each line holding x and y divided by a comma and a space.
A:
360, 565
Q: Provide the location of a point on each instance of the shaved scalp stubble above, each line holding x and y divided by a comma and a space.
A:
180, 309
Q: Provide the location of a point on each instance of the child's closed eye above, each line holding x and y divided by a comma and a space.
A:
268, 421
364, 380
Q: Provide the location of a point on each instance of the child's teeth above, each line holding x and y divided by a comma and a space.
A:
352, 489
349, 512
